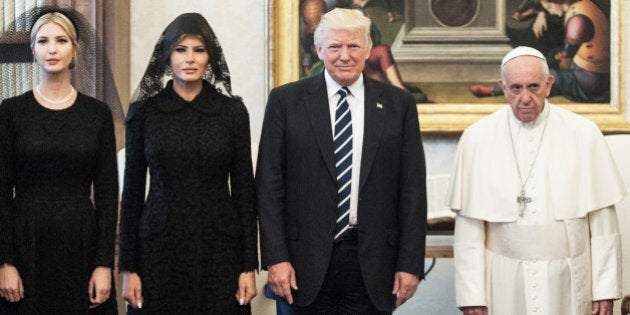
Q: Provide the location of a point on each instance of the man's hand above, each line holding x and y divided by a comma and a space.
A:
100, 286
281, 279
603, 307
132, 289
405, 285
11, 288
564, 62
474, 310
246, 287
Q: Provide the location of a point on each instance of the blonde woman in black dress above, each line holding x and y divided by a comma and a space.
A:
57, 147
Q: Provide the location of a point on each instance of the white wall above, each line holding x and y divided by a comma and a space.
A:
626, 62
240, 25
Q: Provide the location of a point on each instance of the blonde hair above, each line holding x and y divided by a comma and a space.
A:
66, 25
342, 20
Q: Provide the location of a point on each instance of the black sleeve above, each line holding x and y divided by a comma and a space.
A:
106, 192
7, 181
134, 187
242, 187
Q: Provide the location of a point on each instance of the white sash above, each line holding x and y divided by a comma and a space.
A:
528, 242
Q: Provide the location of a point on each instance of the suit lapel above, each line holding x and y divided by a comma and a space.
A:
316, 103
373, 127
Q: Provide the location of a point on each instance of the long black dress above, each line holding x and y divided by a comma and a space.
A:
51, 230
196, 232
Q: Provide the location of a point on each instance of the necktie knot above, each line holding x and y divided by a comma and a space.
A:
343, 92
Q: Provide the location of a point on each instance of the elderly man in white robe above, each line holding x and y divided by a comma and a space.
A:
534, 188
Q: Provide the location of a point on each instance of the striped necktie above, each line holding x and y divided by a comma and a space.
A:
343, 161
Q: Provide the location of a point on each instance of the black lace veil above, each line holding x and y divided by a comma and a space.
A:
91, 76
217, 72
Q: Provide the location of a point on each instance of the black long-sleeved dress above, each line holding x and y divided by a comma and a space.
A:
51, 229
196, 232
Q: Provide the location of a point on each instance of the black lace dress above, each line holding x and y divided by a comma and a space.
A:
51, 230
196, 231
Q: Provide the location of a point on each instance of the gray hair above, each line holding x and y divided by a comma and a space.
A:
342, 19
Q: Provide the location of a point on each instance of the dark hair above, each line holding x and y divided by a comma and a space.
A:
217, 72
190, 24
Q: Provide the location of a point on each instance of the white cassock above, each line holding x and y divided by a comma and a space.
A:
563, 251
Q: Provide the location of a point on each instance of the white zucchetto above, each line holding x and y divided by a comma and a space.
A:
522, 51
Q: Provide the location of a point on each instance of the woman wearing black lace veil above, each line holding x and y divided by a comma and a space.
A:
57, 150
191, 247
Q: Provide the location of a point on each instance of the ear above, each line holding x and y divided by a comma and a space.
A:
550, 80
34, 54
502, 85
368, 49
320, 52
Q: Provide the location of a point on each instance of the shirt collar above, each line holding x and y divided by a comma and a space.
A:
332, 87
205, 102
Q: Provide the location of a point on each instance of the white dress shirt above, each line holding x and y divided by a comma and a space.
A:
356, 101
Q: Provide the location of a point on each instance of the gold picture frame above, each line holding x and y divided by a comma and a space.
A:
444, 119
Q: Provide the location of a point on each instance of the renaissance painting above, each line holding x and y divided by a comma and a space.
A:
447, 53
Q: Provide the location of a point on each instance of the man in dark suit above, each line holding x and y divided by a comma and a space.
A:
341, 183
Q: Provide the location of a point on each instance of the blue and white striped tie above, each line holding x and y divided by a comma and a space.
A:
343, 161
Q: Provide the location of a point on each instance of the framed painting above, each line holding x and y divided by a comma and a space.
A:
444, 52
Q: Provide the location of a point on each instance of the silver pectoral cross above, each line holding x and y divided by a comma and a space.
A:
523, 201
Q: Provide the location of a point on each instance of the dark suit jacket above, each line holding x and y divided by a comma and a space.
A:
297, 190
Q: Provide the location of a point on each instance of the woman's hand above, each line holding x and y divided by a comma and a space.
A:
540, 25
100, 286
11, 288
132, 289
246, 287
